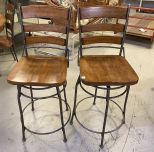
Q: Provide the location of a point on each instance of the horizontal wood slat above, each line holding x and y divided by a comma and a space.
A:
102, 27
101, 39
45, 39
46, 27
103, 11
44, 11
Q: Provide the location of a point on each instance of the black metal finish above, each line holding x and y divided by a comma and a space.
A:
31, 92
40, 88
61, 113
101, 87
65, 99
108, 98
126, 98
75, 99
21, 113
95, 96
33, 99
105, 116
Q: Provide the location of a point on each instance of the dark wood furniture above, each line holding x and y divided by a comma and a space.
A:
7, 40
103, 72
35, 72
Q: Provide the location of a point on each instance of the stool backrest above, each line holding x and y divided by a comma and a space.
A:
57, 21
106, 23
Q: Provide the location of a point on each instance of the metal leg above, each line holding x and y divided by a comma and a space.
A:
95, 96
15, 55
78, 57
61, 114
32, 100
12, 54
105, 116
122, 50
64, 86
75, 99
21, 112
120, 53
126, 98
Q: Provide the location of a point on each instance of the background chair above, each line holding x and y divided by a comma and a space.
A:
103, 72
7, 41
35, 72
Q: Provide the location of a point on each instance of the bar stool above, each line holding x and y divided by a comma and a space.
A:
40, 73
103, 72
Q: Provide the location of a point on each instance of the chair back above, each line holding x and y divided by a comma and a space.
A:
109, 26
55, 28
9, 15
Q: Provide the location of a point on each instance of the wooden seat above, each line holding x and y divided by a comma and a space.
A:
106, 70
103, 71
7, 40
40, 72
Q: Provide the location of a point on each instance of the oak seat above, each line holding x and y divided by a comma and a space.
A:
106, 70
39, 71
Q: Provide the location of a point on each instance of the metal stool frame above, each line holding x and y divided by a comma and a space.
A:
33, 99
108, 98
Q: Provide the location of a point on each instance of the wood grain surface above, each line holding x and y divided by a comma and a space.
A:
106, 70
39, 71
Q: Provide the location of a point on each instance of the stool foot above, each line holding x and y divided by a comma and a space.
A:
71, 122
101, 146
65, 140
23, 139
